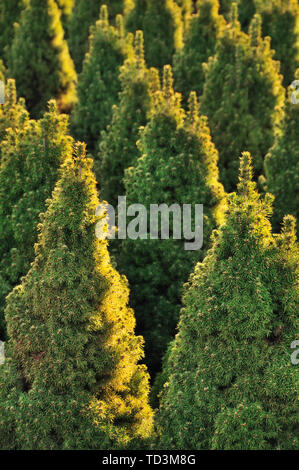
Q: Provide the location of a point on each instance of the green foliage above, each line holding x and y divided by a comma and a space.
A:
99, 82
118, 148
12, 112
66, 7
118, 7
243, 97
85, 13
10, 11
281, 22
178, 166
282, 166
246, 10
71, 379
39, 59
162, 25
31, 155
230, 380
199, 45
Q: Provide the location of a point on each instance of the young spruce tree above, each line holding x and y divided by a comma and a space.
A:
162, 25
231, 383
178, 166
39, 59
99, 82
31, 156
199, 44
243, 97
118, 149
282, 165
71, 378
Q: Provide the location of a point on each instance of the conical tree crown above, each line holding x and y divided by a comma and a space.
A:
162, 25
178, 165
199, 45
72, 334
243, 97
118, 148
230, 381
282, 163
99, 82
31, 156
39, 58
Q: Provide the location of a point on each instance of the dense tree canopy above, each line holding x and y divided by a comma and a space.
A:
230, 381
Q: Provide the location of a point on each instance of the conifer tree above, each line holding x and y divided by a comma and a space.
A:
281, 23
71, 379
118, 7
99, 82
66, 7
230, 380
282, 166
12, 112
162, 25
243, 97
199, 45
85, 14
178, 166
118, 149
10, 11
39, 59
31, 156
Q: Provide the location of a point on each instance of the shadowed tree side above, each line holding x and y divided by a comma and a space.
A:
178, 165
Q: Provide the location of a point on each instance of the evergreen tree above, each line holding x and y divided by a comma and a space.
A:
282, 166
162, 25
281, 22
99, 83
31, 156
85, 13
199, 45
178, 166
118, 7
10, 11
72, 354
118, 149
230, 380
39, 58
243, 97
12, 112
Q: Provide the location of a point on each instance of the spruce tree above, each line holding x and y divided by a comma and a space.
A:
243, 97
39, 59
178, 165
99, 83
118, 7
281, 23
118, 149
71, 379
230, 380
199, 45
282, 166
246, 8
10, 11
31, 156
66, 7
162, 25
